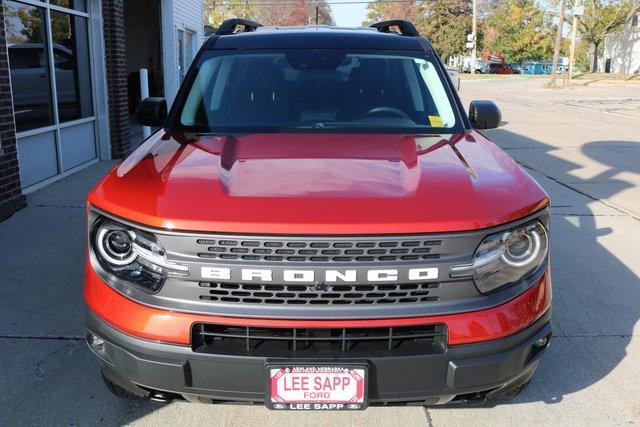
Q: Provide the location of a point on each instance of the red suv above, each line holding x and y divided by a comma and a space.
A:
500, 69
318, 225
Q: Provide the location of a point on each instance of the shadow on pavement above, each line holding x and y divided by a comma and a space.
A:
596, 296
48, 375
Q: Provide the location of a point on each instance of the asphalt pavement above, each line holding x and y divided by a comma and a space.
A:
582, 144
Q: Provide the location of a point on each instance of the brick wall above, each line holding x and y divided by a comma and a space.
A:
116, 61
11, 198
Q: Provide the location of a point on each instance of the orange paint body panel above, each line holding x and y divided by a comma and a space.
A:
324, 184
175, 327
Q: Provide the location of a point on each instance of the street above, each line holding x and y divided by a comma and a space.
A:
582, 144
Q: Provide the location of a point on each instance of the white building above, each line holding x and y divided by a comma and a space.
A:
622, 49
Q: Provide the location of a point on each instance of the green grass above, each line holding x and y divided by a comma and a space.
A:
604, 76
465, 76
579, 78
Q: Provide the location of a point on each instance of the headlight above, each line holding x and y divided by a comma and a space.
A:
132, 255
115, 246
506, 257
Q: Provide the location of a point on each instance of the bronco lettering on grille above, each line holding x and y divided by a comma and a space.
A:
327, 276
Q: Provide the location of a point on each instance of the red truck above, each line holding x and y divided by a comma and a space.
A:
318, 225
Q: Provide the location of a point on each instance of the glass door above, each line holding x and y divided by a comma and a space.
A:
51, 78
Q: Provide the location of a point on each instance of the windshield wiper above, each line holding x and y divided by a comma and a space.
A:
317, 125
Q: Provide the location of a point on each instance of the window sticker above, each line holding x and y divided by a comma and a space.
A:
436, 121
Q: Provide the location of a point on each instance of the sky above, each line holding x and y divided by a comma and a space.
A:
349, 15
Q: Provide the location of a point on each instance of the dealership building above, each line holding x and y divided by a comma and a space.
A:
69, 81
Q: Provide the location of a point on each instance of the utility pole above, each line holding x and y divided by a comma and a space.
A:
556, 51
576, 11
572, 48
474, 31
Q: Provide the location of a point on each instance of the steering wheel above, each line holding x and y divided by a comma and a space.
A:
390, 110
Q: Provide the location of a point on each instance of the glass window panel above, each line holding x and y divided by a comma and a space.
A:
181, 59
73, 72
71, 4
28, 64
190, 47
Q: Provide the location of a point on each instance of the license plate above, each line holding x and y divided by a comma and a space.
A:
316, 387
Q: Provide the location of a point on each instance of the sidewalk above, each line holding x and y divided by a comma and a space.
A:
42, 251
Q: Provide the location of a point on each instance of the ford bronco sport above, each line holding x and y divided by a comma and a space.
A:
318, 225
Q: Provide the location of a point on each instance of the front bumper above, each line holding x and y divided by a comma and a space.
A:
463, 372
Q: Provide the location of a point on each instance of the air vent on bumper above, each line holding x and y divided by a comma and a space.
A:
318, 343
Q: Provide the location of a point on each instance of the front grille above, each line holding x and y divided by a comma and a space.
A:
318, 343
318, 250
255, 293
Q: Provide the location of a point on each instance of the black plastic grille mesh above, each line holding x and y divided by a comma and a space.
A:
343, 294
262, 341
270, 250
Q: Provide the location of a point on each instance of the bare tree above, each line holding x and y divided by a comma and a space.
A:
269, 12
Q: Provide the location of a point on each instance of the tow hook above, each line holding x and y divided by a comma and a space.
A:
161, 397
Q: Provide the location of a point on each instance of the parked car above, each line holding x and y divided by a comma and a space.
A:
481, 67
478, 68
30, 75
318, 225
489, 67
499, 68
454, 74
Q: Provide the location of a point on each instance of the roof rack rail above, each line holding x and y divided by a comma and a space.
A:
406, 27
229, 26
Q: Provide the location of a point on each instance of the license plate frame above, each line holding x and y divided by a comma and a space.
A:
320, 369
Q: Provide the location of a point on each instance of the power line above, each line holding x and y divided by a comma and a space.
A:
328, 3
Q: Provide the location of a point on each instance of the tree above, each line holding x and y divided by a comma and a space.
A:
383, 10
602, 17
216, 11
582, 56
296, 12
31, 26
288, 12
519, 30
325, 16
444, 22
271, 12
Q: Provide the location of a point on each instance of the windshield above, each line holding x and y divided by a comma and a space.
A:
317, 90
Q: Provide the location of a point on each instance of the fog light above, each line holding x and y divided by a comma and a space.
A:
542, 342
97, 346
97, 342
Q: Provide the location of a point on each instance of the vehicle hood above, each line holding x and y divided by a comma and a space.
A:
319, 184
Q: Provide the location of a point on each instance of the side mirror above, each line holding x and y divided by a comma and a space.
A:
152, 112
484, 114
